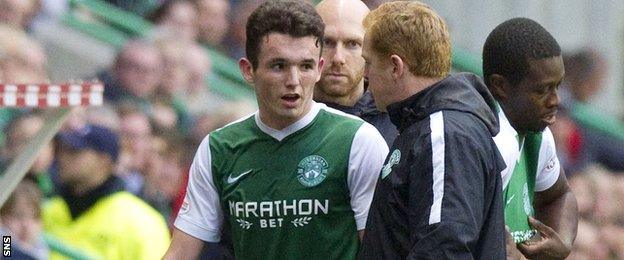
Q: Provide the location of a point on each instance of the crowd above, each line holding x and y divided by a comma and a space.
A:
159, 105
593, 160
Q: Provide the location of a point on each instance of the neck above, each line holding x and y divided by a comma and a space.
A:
511, 118
412, 85
348, 100
279, 122
88, 184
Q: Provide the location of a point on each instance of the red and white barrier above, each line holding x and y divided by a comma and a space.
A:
51, 95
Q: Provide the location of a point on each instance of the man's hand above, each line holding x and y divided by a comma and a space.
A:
550, 246
512, 251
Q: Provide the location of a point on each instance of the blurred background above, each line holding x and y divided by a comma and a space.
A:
171, 76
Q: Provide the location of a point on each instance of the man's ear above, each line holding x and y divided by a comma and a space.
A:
398, 66
246, 70
321, 64
499, 86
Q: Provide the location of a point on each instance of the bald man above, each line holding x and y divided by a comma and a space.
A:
342, 83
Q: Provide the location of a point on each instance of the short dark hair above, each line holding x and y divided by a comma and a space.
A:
510, 45
291, 17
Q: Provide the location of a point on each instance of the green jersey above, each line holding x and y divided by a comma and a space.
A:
299, 192
532, 165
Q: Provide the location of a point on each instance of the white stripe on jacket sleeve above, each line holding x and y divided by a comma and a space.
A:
436, 124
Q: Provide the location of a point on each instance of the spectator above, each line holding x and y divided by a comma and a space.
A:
18, 13
236, 35
165, 172
585, 75
136, 138
135, 74
581, 146
588, 244
18, 133
198, 97
104, 115
177, 17
585, 194
169, 108
213, 19
20, 218
212, 120
22, 60
174, 74
93, 212
607, 208
580, 143
601, 214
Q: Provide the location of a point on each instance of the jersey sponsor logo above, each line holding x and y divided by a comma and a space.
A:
274, 214
395, 158
300, 222
312, 170
244, 224
231, 180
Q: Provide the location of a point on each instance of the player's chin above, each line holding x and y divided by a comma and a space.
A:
540, 127
335, 88
290, 111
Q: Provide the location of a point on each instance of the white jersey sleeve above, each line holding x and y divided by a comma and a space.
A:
201, 215
548, 165
368, 152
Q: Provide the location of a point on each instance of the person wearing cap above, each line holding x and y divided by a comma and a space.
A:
93, 213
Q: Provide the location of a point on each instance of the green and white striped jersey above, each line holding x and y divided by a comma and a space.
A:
532, 166
299, 192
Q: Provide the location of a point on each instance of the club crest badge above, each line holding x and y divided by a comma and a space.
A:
312, 170
395, 158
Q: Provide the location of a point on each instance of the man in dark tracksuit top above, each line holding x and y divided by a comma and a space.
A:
365, 108
439, 193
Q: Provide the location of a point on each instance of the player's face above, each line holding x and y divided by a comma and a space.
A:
285, 76
533, 102
378, 72
344, 36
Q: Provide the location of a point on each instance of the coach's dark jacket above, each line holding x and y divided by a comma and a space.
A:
441, 198
365, 108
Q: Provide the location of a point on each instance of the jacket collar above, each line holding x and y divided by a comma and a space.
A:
364, 106
80, 204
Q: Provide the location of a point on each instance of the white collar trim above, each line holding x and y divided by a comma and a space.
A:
279, 135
